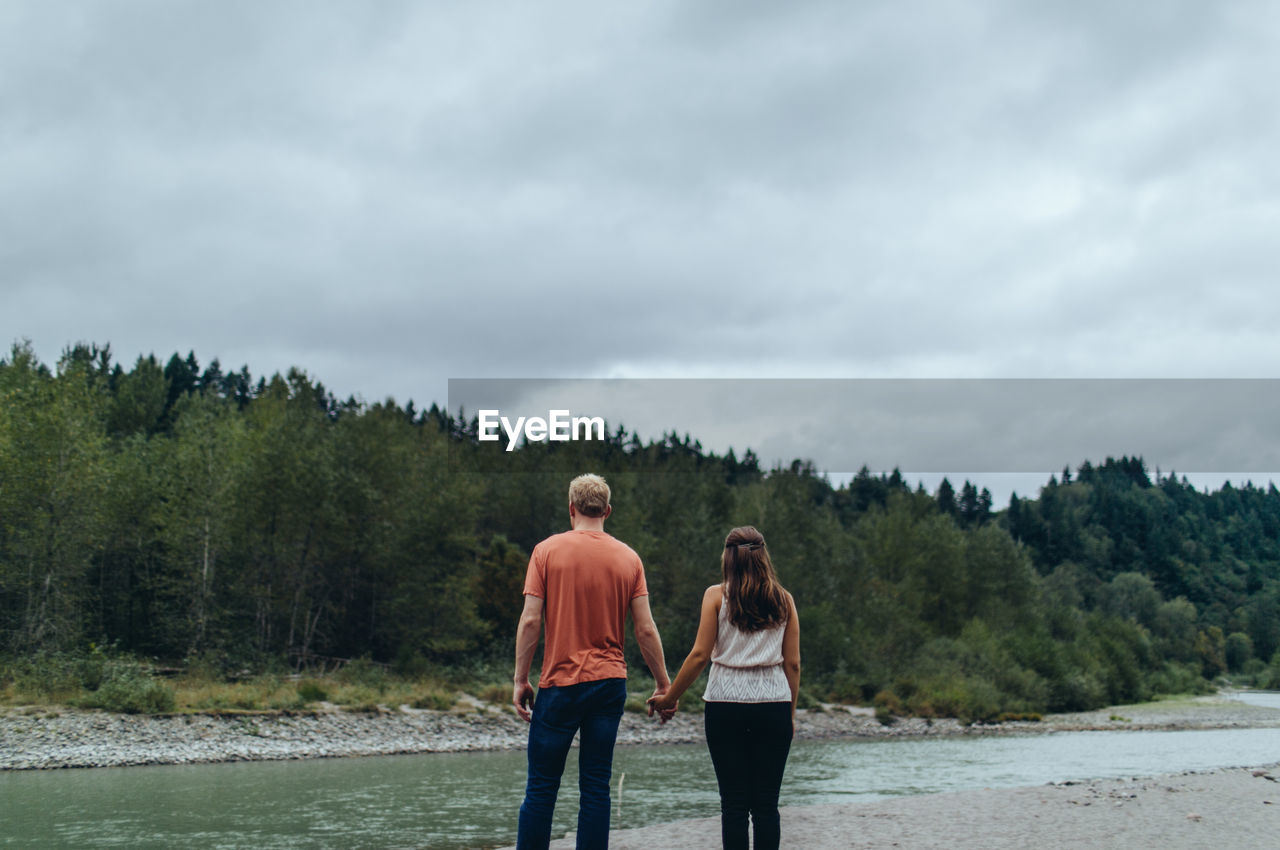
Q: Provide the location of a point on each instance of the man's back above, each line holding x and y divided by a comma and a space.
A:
586, 580
583, 582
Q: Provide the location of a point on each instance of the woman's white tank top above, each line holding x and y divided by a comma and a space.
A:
746, 666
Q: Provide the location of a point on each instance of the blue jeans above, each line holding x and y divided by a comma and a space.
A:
594, 709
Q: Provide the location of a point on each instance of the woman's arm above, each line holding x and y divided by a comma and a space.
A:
791, 657
698, 657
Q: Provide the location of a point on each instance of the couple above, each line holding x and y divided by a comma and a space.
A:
583, 582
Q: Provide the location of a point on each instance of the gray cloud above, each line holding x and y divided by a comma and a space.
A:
392, 194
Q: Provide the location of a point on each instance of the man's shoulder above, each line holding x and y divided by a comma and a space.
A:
626, 551
549, 542
600, 540
623, 546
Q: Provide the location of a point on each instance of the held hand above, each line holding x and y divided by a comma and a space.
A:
522, 698
663, 704
665, 708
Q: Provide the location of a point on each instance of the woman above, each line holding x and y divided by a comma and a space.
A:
751, 635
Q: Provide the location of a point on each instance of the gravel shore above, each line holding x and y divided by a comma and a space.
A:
1232, 807
32, 738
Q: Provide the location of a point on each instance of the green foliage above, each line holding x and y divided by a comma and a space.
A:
435, 700
194, 515
53, 676
363, 672
1212, 650
692, 702
310, 690
132, 695
806, 699
499, 588
128, 688
888, 701
53, 465
1175, 678
1238, 651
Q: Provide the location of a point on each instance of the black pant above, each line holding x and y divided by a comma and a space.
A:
749, 743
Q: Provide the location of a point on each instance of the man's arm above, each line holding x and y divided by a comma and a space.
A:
650, 643
527, 632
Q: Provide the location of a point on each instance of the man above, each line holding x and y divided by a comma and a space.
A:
583, 582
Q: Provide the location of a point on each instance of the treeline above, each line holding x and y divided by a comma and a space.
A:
185, 514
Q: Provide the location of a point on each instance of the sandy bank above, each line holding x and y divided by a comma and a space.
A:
1235, 807
36, 739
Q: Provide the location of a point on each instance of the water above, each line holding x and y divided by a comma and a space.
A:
1266, 699
470, 799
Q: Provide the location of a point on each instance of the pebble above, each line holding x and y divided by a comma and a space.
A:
97, 739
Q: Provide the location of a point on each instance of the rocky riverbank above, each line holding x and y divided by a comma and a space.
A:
39, 738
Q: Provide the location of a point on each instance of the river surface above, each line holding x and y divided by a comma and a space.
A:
458, 800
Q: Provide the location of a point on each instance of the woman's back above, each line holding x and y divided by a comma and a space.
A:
746, 666
748, 629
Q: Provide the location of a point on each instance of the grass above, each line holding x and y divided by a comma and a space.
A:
119, 683
128, 686
281, 693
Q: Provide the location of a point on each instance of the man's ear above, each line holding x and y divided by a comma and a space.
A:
608, 509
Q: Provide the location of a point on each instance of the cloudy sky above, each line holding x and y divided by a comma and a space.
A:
393, 194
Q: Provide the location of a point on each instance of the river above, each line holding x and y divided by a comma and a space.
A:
470, 799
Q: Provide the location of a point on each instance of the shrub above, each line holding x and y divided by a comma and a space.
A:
921, 705
209, 666
844, 688
309, 690
1239, 651
59, 675
969, 699
129, 689
691, 702
364, 672
888, 701
980, 701
1175, 678
1077, 691
435, 701
411, 664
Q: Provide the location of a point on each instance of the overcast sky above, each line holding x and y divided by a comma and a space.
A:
393, 194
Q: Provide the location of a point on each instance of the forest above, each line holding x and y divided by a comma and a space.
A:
181, 516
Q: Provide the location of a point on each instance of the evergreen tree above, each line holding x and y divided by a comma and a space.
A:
946, 498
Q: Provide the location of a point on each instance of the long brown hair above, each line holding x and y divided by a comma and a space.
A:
755, 598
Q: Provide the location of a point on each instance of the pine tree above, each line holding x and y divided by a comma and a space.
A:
946, 498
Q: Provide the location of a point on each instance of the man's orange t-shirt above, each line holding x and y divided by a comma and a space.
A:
586, 580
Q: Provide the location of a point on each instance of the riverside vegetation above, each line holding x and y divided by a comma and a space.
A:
251, 535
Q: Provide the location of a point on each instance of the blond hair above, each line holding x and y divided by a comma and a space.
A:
589, 494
